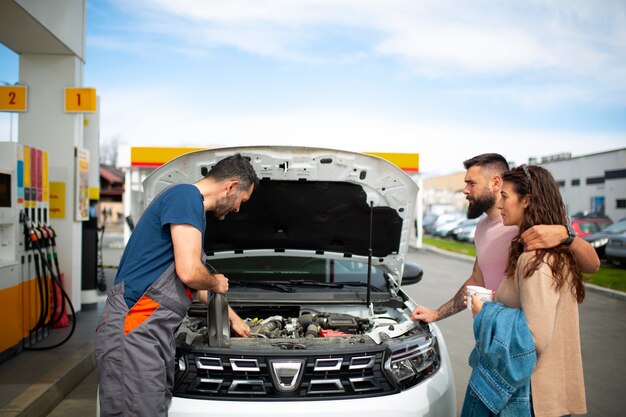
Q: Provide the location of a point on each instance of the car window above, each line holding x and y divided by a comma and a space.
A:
587, 227
619, 227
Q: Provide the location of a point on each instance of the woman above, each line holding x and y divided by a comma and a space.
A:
547, 285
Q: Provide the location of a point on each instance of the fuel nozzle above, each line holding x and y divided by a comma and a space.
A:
42, 236
53, 235
30, 237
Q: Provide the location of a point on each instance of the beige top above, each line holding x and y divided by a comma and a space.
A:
557, 383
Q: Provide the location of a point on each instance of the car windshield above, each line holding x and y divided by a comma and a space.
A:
296, 270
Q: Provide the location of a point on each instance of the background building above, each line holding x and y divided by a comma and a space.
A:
111, 192
588, 183
444, 194
594, 182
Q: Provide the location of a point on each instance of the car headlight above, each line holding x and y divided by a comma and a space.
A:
600, 242
412, 360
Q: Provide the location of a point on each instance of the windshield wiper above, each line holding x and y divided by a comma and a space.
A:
332, 284
286, 286
361, 284
263, 284
311, 283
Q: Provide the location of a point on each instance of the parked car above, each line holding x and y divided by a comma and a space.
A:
588, 214
428, 219
599, 239
445, 229
463, 228
316, 265
440, 220
467, 235
586, 226
616, 249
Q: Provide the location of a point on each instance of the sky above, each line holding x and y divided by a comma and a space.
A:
445, 79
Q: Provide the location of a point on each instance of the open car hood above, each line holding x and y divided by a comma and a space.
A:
310, 201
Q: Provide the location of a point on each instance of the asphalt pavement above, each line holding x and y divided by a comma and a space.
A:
602, 325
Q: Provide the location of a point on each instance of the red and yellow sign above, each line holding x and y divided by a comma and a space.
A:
149, 157
154, 157
408, 162
57, 200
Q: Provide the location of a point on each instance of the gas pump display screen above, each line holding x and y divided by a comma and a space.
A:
5, 190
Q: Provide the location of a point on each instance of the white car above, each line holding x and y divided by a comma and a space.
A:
299, 256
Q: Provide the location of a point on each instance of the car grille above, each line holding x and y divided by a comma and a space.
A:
297, 377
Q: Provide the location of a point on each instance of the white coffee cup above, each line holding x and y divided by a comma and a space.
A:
483, 293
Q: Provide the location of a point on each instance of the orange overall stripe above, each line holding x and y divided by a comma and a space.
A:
139, 313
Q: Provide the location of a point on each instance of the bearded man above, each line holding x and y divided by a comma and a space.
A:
483, 184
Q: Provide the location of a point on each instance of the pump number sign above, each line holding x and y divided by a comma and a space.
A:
13, 98
80, 100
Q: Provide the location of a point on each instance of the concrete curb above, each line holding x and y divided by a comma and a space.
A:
607, 292
459, 256
43, 396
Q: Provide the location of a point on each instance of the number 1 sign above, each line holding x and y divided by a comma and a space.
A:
80, 100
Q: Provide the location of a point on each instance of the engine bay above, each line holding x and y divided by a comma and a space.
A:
303, 322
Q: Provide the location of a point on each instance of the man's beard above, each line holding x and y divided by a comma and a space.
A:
480, 205
224, 206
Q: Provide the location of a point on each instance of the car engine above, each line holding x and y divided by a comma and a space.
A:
293, 323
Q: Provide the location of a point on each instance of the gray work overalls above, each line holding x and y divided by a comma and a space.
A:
135, 349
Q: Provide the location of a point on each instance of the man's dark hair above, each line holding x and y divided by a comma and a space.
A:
235, 167
493, 161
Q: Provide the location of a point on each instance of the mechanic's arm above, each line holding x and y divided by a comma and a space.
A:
453, 306
545, 236
239, 327
187, 242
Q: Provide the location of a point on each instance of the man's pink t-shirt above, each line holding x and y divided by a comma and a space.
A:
493, 240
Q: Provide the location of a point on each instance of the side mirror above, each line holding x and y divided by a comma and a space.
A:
412, 273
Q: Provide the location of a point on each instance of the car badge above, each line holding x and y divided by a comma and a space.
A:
287, 374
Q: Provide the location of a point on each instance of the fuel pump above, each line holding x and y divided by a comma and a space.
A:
28, 284
37, 241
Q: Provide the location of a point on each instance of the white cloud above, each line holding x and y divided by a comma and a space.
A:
575, 41
442, 147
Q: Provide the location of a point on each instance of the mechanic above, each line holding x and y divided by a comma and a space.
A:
161, 269
483, 183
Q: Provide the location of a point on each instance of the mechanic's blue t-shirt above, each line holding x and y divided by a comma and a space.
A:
149, 251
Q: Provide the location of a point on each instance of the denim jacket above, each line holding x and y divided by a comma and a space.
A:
502, 363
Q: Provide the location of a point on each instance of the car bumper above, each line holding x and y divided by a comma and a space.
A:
433, 397
614, 253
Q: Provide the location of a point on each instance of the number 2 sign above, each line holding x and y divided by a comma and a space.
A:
80, 100
13, 98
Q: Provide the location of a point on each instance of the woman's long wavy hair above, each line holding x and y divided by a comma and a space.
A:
545, 207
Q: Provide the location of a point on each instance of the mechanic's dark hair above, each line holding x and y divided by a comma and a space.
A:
491, 161
545, 207
235, 167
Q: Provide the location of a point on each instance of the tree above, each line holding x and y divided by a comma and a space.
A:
108, 150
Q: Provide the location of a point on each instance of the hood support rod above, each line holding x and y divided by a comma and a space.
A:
369, 255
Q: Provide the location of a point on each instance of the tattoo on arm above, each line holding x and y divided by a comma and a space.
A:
453, 306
